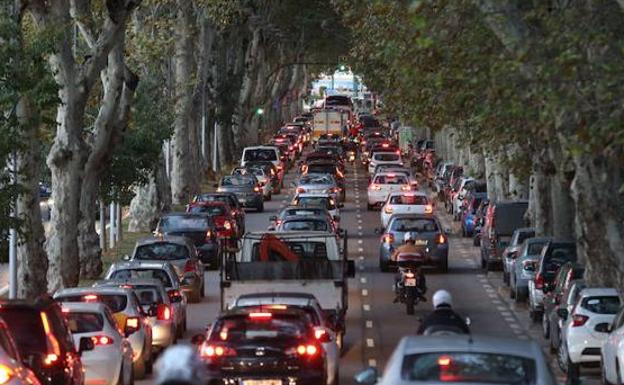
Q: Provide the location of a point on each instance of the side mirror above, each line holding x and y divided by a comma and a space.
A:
563, 313
350, 268
126, 257
366, 377
86, 344
603, 328
198, 339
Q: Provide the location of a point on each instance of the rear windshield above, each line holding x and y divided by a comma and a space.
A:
316, 179
469, 367
246, 328
162, 251
328, 203
390, 179
414, 224
235, 180
408, 200
210, 210
129, 274
83, 322
602, 305
173, 223
148, 295
252, 155
535, 248
27, 330
558, 256
304, 225
302, 211
386, 157
322, 169
115, 302
509, 218
524, 235
218, 198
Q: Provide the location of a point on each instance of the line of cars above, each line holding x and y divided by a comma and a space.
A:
582, 324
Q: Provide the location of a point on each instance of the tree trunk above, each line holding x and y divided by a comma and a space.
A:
184, 182
31, 254
150, 201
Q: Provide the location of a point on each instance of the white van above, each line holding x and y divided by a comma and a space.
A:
261, 153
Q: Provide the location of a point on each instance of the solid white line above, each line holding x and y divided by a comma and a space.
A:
369, 324
370, 342
364, 292
366, 307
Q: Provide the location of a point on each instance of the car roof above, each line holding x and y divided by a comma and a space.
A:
94, 307
412, 215
130, 282
260, 147
313, 195
470, 343
598, 291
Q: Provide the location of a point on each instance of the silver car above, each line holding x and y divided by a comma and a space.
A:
463, 359
511, 251
156, 304
318, 183
523, 267
162, 271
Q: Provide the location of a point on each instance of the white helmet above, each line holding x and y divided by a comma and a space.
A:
442, 297
408, 237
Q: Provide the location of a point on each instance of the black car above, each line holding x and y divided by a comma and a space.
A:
263, 344
231, 200
247, 190
44, 341
199, 228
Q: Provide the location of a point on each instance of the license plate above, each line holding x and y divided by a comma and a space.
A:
420, 242
410, 281
262, 382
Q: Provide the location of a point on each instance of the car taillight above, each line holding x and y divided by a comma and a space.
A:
440, 239
388, 209
539, 282
227, 225
300, 190
6, 374
174, 294
579, 320
388, 238
375, 187
257, 189
102, 340
409, 274
164, 312
428, 209
189, 266
211, 351
307, 350
319, 333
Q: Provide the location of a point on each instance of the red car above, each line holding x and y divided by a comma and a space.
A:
222, 215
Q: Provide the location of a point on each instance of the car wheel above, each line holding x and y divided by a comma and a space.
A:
545, 327
520, 296
506, 278
139, 369
149, 364
603, 374
464, 234
202, 291
483, 263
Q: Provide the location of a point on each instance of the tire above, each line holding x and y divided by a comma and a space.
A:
202, 291
149, 365
464, 233
270, 197
520, 296
409, 306
383, 266
545, 327
506, 278
132, 377
603, 375
571, 369
483, 263
139, 369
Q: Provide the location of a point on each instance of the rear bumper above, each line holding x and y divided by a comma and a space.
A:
434, 256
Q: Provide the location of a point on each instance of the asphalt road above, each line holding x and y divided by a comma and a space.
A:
374, 323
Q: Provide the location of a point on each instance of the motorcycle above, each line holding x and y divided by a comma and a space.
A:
408, 287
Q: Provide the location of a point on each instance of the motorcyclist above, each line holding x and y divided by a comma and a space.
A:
443, 314
409, 247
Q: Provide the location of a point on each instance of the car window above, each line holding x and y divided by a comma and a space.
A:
469, 367
115, 302
237, 181
59, 328
84, 322
522, 235
535, 248
245, 328
414, 224
162, 251
408, 200
386, 157
27, 330
252, 155
128, 274
316, 179
601, 304
302, 211
304, 225
328, 203
210, 210
148, 295
390, 179
182, 222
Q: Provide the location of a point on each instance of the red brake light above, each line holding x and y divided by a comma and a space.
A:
579, 320
164, 312
173, 294
257, 189
260, 316
102, 340
210, 351
307, 350
375, 187
227, 225
90, 298
6, 374
300, 190
385, 145
406, 188
409, 274
441, 239
539, 282
319, 333
388, 209
428, 209
209, 235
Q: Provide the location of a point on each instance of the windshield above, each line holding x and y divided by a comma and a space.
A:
252, 155
321, 169
174, 223
162, 251
304, 225
391, 179
236, 180
245, 328
129, 274
408, 200
535, 248
210, 210
469, 367
386, 157
420, 225
328, 203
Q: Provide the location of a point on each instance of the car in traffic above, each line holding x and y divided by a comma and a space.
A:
612, 352
382, 185
246, 188
43, 340
180, 253
264, 179
261, 154
228, 198
324, 167
405, 203
306, 223
511, 251
524, 267
474, 359
162, 271
223, 216
126, 310
501, 220
13, 370
276, 176
430, 238
155, 303
469, 218
110, 360
568, 273
586, 328
319, 200
258, 345
319, 183
378, 158
289, 211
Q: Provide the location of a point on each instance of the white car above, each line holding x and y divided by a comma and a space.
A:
383, 184
378, 158
459, 197
324, 200
262, 153
409, 202
111, 356
613, 351
585, 329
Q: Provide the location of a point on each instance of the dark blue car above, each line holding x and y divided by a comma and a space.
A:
468, 218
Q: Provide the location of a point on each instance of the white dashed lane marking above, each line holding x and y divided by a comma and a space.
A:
366, 307
363, 279
370, 342
372, 363
364, 292
369, 324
